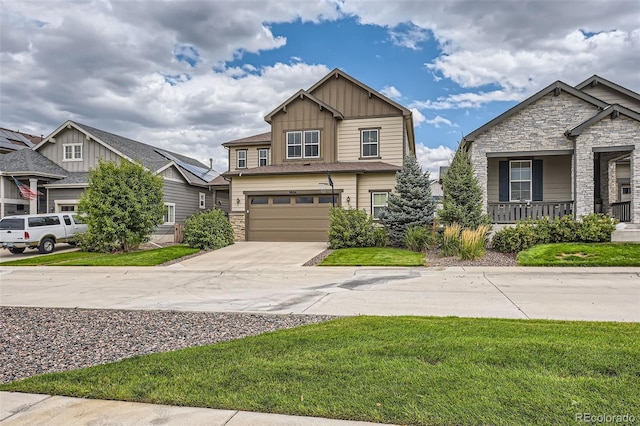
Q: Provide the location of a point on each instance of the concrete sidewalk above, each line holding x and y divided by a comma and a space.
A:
34, 410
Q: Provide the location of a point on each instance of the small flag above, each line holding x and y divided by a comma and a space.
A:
26, 192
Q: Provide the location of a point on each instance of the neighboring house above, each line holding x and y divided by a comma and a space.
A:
280, 189
563, 151
13, 140
57, 168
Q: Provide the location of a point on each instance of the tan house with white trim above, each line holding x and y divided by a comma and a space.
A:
563, 151
339, 142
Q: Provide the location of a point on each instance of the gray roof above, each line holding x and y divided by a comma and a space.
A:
74, 178
149, 156
613, 110
27, 161
261, 139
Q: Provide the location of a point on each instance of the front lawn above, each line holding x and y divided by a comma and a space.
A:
404, 370
374, 256
79, 258
581, 254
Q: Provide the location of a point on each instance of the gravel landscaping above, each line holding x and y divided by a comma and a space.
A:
42, 340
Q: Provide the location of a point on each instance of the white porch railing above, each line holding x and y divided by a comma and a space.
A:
504, 212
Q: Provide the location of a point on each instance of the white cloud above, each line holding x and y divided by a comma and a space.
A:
391, 92
438, 121
432, 159
408, 36
468, 100
418, 117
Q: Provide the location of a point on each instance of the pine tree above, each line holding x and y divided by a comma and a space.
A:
411, 204
462, 195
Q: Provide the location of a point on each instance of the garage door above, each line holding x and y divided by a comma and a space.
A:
288, 217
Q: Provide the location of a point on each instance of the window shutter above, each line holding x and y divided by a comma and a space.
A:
503, 177
536, 184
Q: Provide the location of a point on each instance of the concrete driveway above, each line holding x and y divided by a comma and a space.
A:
269, 278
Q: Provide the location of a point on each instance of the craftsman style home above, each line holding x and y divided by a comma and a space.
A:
563, 151
338, 142
57, 170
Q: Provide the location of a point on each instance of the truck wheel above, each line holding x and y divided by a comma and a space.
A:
46, 246
16, 250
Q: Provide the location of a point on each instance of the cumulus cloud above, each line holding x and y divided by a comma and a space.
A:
391, 92
432, 159
439, 121
418, 117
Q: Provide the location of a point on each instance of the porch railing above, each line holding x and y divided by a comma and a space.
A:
513, 212
621, 211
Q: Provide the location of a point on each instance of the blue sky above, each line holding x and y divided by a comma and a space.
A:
188, 75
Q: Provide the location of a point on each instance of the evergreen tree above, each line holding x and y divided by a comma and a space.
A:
411, 204
462, 195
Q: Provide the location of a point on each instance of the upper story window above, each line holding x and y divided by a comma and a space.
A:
520, 180
241, 155
311, 139
263, 157
72, 152
370, 143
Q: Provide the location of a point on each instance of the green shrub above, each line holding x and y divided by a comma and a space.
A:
596, 228
208, 230
528, 233
351, 228
473, 242
418, 238
380, 236
451, 240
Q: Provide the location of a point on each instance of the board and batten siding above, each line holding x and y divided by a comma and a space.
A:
311, 182
303, 114
186, 198
92, 151
556, 178
252, 156
390, 139
611, 96
373, 182
352, 100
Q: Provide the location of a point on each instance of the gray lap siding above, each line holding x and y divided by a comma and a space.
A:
186, 198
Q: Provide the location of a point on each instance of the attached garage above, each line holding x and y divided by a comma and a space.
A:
290, 217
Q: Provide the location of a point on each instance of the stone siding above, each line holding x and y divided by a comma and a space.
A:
607, 133
238, 225
538, 127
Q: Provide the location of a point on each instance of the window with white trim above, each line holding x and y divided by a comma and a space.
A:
369, 140
72, 152
520, 180
303, 144
312, 144
263, 157
378, 203
202, 200
241, 155
169, 213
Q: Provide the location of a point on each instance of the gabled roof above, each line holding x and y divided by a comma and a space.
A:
28, 162
302, 94
556, 87
339, 73
596, 79
613, 111
261, 139
345, 167
149, 156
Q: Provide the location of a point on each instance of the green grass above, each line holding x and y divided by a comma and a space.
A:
405, 370
374, 256
79, 258
580, 254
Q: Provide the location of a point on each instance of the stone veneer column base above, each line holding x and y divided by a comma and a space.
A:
238, 225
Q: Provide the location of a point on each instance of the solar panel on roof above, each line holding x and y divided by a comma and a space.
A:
205, 174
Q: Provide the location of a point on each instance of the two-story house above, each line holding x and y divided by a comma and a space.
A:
57, 169
338, 142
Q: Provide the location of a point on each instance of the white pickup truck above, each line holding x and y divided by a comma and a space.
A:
41, 231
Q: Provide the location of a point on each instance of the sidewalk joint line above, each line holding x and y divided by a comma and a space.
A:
484, 274
24, 408
231, 418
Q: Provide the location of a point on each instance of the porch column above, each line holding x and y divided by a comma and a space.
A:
613, 183
584, 185
481, 164
33, 204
